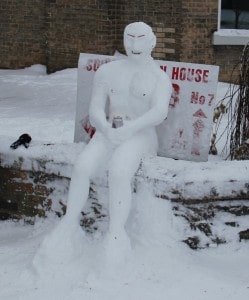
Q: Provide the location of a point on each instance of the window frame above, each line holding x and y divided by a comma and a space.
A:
229, 36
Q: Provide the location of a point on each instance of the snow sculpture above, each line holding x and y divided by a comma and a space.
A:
137, 91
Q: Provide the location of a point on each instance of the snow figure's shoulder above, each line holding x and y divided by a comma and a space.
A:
113, 65
109, 70
161, 75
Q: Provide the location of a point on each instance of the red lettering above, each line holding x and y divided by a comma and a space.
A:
198, 127
198, 75
89, 65
205, 76
182, 74
93, 65
190, 75
202, 99
164, 68
211, 99
175, 73
96, 64
89, 68
194, 97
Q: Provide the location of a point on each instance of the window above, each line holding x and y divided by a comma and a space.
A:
233, 23
234, 14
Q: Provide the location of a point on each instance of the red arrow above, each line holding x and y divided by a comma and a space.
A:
199, 114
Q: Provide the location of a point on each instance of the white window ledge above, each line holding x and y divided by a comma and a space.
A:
231, 37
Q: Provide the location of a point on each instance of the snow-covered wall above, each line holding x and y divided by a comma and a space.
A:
36, 179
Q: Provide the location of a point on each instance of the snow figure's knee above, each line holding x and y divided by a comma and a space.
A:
82, 167
119, 174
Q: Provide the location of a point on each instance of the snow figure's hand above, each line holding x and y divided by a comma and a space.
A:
118, 135
104, 129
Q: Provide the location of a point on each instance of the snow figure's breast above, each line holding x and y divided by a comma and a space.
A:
141, 90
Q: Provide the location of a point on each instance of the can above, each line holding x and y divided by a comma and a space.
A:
117, 122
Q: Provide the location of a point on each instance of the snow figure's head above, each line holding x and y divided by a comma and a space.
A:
139, 40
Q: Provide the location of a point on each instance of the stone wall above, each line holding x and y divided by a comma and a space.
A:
35, 181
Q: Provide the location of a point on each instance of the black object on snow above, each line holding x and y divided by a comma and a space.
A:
24, 140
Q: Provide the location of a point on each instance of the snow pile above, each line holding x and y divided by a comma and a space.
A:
233, 32
39, 104
159, 266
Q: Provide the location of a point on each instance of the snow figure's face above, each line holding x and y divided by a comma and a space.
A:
139, 40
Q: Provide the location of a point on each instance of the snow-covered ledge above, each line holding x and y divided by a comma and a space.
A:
188, 181
176, 180
231, 37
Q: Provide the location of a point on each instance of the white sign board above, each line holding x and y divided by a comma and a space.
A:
186, 132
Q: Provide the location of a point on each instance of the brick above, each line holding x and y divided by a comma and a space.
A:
170, 41
160, 34
166, 50
169, 30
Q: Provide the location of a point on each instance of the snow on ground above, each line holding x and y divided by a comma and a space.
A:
159, 266
42, 105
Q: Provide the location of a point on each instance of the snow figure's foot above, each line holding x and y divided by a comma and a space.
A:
62, 246
117, 251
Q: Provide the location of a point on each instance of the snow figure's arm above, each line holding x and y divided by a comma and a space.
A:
159, 108
158, 112
99, 98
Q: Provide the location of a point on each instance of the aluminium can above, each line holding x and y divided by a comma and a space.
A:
117, 122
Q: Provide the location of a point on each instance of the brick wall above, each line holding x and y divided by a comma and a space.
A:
163, 16
77, 26
22, 41
97, 27
228, 57
24, 193
199, 23
54, 32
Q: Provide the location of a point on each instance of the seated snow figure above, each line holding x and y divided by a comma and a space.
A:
139, 92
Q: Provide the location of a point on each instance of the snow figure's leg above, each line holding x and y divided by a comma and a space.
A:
123, 165
91, 158
66, 241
